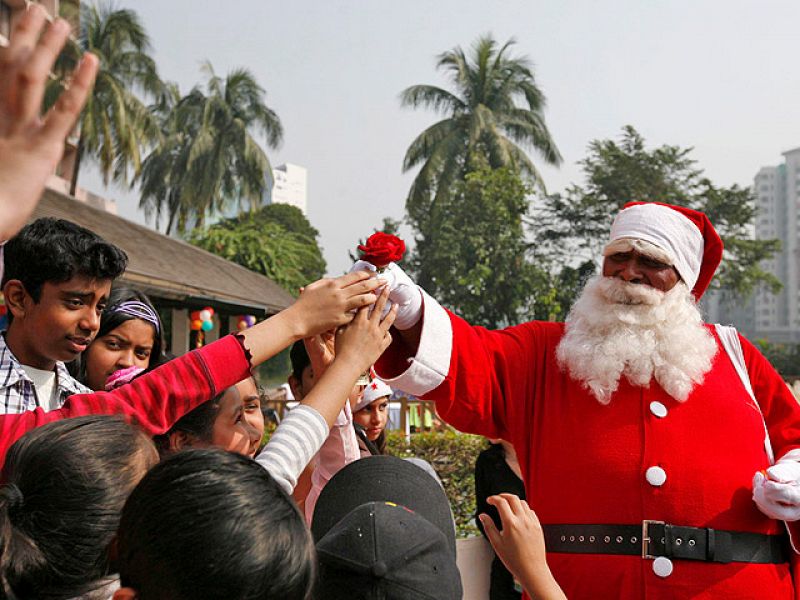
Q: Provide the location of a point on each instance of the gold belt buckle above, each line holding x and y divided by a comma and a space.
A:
646, 537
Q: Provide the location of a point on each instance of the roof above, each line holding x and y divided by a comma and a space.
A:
172, 269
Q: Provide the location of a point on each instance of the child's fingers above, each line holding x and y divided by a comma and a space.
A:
351, 278
377, 311
362, 287
63, 115
495, 537
24, 35
356, 302
514, 503
388, 320
32, 75
503, 508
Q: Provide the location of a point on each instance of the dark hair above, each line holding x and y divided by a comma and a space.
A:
55, 250
111, 319
207, 523
198, 423
299, 359
65, 485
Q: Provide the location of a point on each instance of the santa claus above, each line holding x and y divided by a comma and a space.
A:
642, 451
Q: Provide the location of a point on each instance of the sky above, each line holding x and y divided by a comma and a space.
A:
720, 76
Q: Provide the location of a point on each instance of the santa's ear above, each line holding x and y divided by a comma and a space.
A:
125, 593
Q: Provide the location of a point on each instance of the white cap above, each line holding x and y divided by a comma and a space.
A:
668, 229
375, 390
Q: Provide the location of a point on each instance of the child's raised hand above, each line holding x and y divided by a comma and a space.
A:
520, 545
367, 336
31, 146
320, 350
329, 303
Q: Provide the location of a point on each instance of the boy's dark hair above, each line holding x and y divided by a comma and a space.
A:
299, 359
64, 487
56, 250
213, 524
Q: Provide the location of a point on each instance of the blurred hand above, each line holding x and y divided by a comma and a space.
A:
364, 340
31, 146
329, 303
520, 545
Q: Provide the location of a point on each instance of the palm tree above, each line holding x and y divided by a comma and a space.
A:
209, 157
483, 117
115, 126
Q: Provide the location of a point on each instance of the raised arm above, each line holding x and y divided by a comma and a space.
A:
31, 146
159, 398
302, 433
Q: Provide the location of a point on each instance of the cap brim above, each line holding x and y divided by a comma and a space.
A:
383, 479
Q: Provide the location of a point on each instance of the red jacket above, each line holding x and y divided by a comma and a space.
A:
584, 462
154, 401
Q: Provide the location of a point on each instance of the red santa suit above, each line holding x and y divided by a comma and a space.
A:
643, 456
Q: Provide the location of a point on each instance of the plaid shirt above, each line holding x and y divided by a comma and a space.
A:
17, 391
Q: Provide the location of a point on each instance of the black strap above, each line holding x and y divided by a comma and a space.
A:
651, 539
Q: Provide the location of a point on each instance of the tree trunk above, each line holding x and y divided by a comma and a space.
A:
78, 153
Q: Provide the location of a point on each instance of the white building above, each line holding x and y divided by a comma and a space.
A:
777, 192
290, 186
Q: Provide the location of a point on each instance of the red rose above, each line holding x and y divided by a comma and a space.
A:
382, 248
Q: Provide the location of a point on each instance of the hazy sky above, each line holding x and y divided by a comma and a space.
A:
722, 76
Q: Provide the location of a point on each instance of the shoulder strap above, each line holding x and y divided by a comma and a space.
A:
730, 341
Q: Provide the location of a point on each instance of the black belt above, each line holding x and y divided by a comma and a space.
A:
656, 538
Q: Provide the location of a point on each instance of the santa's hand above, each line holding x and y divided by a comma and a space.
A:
777, 494
402, 291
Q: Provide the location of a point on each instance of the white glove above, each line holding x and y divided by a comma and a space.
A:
402, 291
778, 495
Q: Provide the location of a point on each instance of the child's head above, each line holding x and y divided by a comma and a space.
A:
232, 421
56, 283
371, 412
130, 335
211, 524
301, 379
64, 487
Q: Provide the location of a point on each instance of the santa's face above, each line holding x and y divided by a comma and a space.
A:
634, 267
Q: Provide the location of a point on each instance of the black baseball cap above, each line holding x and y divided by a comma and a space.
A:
384, 531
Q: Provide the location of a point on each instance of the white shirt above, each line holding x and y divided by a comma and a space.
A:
44, 382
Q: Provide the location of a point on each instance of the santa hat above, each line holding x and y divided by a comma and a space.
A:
375, 389
686, 236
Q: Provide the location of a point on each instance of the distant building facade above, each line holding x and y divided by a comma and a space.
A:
777, 191
775, 317
290, 186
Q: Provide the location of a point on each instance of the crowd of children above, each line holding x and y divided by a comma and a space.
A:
128, 475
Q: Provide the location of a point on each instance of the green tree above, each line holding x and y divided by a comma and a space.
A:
480, 267
210, 158
264, 245
495, 111
116, 126
575, 225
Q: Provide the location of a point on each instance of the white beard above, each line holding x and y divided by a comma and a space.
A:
618, 328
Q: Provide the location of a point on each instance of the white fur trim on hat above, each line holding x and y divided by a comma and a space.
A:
375, 390
666, 228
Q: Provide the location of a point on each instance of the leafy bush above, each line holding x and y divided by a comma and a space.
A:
453, 457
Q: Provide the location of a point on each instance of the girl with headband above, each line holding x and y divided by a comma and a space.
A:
129, 341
